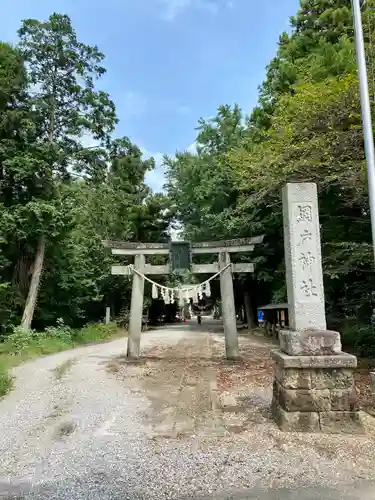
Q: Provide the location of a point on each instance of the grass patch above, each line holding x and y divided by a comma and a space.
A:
6, 380
21, 346
97, 333
61, 369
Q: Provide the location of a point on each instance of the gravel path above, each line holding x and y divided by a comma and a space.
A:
76, 428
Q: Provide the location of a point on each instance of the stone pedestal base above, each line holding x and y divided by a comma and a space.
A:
315, 393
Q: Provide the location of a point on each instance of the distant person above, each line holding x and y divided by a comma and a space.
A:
260, 318
199, 315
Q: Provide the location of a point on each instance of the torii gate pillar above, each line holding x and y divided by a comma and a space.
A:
136, 309
221, 248
228, 307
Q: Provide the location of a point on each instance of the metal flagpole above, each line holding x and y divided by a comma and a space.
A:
366, 111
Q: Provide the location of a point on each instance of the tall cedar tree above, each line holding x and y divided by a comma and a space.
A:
62, 72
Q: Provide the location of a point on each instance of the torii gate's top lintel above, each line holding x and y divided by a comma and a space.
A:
182, 259
232, 246
134, 245
230, 243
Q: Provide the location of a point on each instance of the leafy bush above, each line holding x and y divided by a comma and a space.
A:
94, 332
6, 380
21, 345
53, 339
17, 341
349, 336
42, 345
122, 319
60, 331
360, 340
365, 345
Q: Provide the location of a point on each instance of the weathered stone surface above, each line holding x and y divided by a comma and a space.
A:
337, 422
310, 342
303, 261
372, 375
295, 421
293, 378
303, 400
228, 307
136, 309
344, 399
305, 378
332, 379
312, 375
338, 361
327, 403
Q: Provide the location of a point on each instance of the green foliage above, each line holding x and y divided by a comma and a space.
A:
360, 340
315, 136
56, 190
60, 331
64, 104
22, 345
62, 71
365, 344
95, 332
29, 343
6, 380
306, 128
17, 341
202, 189
41, 345
12, 73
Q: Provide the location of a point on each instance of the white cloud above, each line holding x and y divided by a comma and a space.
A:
192, 148
183, 109
173, 8
88, 141
155, 179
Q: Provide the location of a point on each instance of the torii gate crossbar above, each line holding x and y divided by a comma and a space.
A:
222, 248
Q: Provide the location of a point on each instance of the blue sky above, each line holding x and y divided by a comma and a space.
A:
170, 62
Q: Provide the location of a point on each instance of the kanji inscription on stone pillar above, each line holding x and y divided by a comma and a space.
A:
303, 260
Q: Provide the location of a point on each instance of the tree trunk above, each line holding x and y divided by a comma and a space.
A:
249, 311
32, 295
22, 271
240, 314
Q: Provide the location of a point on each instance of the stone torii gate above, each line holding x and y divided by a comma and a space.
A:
222, 248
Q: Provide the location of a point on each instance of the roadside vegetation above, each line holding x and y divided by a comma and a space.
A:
21, 346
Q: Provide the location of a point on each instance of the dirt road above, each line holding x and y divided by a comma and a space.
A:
182, 423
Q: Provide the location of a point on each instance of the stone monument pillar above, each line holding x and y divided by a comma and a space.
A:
314, 388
